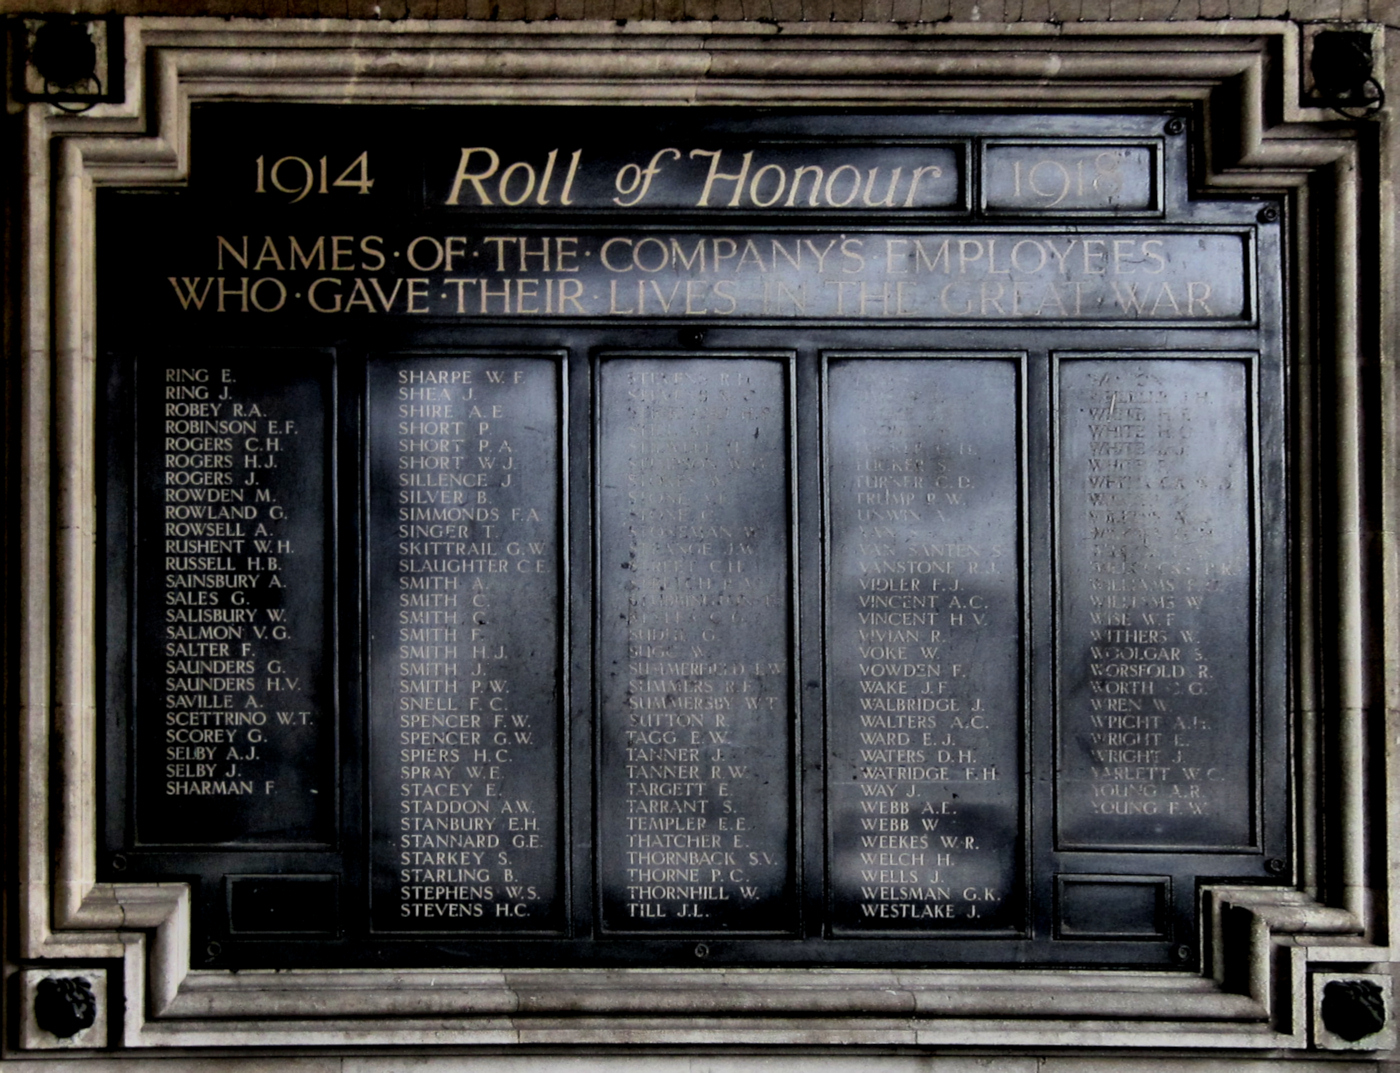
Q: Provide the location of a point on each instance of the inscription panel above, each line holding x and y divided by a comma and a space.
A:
385, 271
1156, 722
464, 622
696, 723
761, 174
235, 728
1059, 177
924, 639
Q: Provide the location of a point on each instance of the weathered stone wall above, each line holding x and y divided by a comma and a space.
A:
815, 11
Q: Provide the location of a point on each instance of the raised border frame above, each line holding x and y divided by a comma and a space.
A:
1262, 945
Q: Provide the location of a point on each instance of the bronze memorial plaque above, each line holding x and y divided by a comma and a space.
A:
807, 538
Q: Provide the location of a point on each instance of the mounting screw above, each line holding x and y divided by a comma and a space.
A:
118, 862
701, 950
1268, 214
692, 338
213, 950
1175, 125
1182, 953
1275, 867
65, 1005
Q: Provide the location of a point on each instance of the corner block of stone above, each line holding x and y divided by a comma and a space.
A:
62, 1009
1353, 1011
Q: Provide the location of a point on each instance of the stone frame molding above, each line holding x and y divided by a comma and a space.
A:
1241, 85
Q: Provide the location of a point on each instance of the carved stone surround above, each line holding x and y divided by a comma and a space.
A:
1241, 82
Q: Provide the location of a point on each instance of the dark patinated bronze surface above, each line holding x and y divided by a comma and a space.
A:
695, 712
802, 539
463, 561
1157, 723
232, 601
924, 643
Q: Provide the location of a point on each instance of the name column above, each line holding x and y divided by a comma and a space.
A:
696, 733
1157, 633
235, 734
465, 621
924, 640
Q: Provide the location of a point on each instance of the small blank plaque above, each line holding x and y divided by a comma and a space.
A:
305, 905
1112, 907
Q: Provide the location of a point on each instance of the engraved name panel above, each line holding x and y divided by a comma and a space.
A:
924, 640
696, 721
235, 723
464, 636
1156, 723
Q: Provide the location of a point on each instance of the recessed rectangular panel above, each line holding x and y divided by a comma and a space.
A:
290, 905
464, 620
1061, 177
1155, 729
695, 719
1112, 907
235, 715
924, 644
